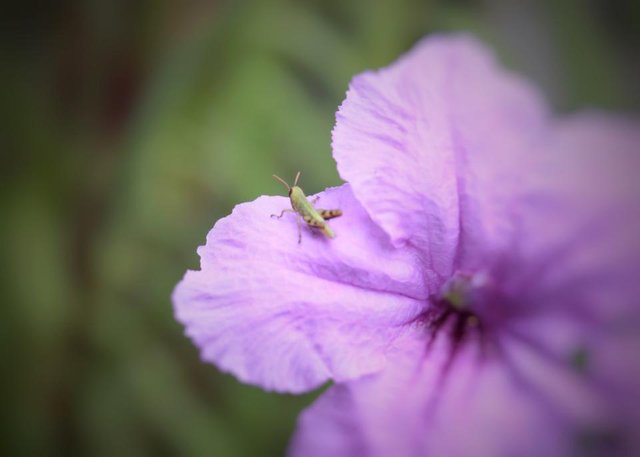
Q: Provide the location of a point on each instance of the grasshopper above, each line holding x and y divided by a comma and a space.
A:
304, 209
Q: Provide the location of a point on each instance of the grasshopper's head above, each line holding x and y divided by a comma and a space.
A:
290, 189
296, 193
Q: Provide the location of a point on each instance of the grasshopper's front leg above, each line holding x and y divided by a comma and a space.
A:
287, 210
282, 213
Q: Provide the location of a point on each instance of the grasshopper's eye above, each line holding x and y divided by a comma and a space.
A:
290, 190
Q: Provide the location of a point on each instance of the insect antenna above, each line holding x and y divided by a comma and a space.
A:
282, 181
295, 182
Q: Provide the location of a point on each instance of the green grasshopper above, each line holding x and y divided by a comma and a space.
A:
303, 208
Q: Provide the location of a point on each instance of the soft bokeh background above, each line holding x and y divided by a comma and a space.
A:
130, 127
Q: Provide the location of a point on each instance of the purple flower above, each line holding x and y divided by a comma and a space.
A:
482, 294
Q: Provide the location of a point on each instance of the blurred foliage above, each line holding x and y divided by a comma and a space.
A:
130, 127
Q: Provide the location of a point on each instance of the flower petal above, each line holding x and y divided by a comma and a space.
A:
289, 316
599, 356
421, 137
578, 219
471, 405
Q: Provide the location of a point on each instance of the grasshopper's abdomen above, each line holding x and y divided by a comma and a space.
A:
327, 231
314, 220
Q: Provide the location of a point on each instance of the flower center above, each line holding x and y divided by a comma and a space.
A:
463, 289
455, 308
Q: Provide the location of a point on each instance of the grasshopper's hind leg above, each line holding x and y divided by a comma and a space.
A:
327, 214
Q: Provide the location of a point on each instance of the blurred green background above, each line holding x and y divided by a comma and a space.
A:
130, 127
